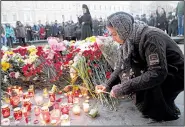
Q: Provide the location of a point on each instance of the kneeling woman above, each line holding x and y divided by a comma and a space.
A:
150, 67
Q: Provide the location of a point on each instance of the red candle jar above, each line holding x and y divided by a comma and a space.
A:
5, 111
9, 90
31, 92
46, 117
25, 112
76, 93
20, 90
70, 98
52, 96
17, 113
27, 104
25, 95
64, 109
14, 100
37, 110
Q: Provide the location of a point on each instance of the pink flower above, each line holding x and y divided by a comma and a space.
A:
56, 45
12, 74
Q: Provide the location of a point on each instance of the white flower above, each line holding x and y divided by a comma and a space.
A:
17, 74
4, 48
5, 78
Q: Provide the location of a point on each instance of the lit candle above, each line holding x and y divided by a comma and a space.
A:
5, 122
65, 121
86, 107
5, 111
76, 100
76, 109
39, 100
17, 113
31, 92
87, 97
55, 114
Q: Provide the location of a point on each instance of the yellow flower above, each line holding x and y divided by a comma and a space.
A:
9, 52
72, 41
92, 39
33, 53
5, 66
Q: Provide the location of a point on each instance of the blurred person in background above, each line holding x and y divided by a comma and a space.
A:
86, 23
28, 32
21, 33
48, 30
151, 21
180, 16
3, 37
161, 21
42, 32
9, 35
35, 32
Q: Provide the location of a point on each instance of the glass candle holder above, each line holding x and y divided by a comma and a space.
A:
31, 92
5, 110
15, 100
25, 95
27, 104
52, 96
70, 98
76, 109
39, 100
86, 107
37, 111
65, 121
76, 100
64, 108
5, 122
17, 113
9, 90
20, 91
44, 109
24, 112
46, 117
55, 115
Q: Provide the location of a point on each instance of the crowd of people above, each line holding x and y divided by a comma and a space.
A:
172, 24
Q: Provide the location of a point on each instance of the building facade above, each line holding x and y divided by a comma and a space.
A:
33, 11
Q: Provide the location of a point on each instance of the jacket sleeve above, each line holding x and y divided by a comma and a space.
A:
156, 73
115, 74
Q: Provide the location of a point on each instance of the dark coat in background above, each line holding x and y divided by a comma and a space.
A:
20, 31
151, 21
28, 33
161, 21
48, 30
55, 30
86, 23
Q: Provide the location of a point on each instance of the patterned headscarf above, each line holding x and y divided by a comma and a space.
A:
129, 31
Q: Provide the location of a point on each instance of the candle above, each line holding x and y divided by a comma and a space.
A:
27, 104
20, 90
17, 113
5, 111
39, 100
45, 92
80, 95
55, 114
70, 98
76, 109
46, 117
52, 96
86, 107
37, 110
14, 99
44, 109
64, 108
24, 111
76, 100
65, 121
87, 97
31, 92
25, 95
9, 90
5, 122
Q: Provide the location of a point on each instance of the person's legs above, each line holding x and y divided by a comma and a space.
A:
179, 24
182, 27
23, 40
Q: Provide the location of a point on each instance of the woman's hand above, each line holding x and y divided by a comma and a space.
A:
100, 88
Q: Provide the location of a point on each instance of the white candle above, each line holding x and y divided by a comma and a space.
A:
86, 107
65, 121
5, 122
39, 100
76, 109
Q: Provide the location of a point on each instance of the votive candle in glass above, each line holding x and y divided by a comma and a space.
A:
55, 115
65, 121
31, 92
5, 110
64, 108
17, 113
52, 96
76, 100
39, 100
27, 104
86, 107
37, 111
70, 98
76, 109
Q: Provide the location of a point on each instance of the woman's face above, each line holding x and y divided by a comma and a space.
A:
84, 10
115, 35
